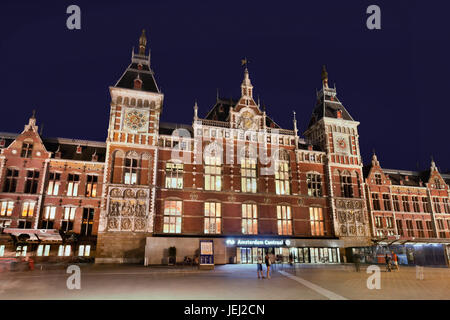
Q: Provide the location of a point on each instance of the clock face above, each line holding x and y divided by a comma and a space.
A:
135, 120
246, 120
341, 144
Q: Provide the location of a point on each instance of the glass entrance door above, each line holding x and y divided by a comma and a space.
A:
250, 255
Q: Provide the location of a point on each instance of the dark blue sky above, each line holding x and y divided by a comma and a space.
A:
394, 81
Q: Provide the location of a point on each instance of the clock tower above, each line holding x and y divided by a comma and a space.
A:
333, 129
127, 208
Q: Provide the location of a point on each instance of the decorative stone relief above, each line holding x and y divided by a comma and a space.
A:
127, 209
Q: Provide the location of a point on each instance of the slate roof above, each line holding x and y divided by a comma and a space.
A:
221, 111
413, 180
145, 74
67, 147
327, 106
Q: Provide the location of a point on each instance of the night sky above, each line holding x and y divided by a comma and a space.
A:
394, 80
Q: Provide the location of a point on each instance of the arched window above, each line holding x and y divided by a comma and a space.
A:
131, 168
282, 173
346, 185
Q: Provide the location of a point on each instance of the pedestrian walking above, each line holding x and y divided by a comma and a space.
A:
268, 263
388, 262
260, 268
395, 259
357, 262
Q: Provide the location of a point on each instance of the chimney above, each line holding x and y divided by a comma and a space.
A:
58, 153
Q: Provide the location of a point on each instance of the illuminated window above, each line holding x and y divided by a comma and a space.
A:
172, 216
84, 250
31, 182
387, 202
249, 218
12, 175
379, 222
2, 250
43, 250
91, 186
87, 222
64, 250
317, 221
213, 220
174, 175
213, 173
68, 218
53, 183
28, 209
282, 173
314, 182
248, 175
6, 208
131, 170
49, 217
73, 182
27, 150
21, 251
284, 220
389, 222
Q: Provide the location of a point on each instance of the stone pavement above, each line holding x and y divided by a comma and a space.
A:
228, 282
402, 284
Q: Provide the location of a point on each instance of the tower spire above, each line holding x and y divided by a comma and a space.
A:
246, 86
142, 43
324, 76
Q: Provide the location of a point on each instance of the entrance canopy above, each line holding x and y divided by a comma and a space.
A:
51, 235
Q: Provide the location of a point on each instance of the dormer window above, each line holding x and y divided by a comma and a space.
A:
437, 183
339, 114
27, 150
2, 143
378, 178
79, 149
137, 84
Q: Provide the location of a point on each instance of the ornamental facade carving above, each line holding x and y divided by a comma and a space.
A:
127, 209
350, 218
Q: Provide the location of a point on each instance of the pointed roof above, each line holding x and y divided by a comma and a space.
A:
139, 68
327, 103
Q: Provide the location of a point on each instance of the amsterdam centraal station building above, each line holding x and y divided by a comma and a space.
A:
232, 176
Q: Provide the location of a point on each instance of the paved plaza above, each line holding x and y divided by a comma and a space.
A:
228, 282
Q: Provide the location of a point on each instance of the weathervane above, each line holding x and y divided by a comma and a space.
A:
244, 62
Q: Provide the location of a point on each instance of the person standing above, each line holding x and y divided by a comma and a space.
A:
268, 263
259, 267
388, 262
395, 259
357, 262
